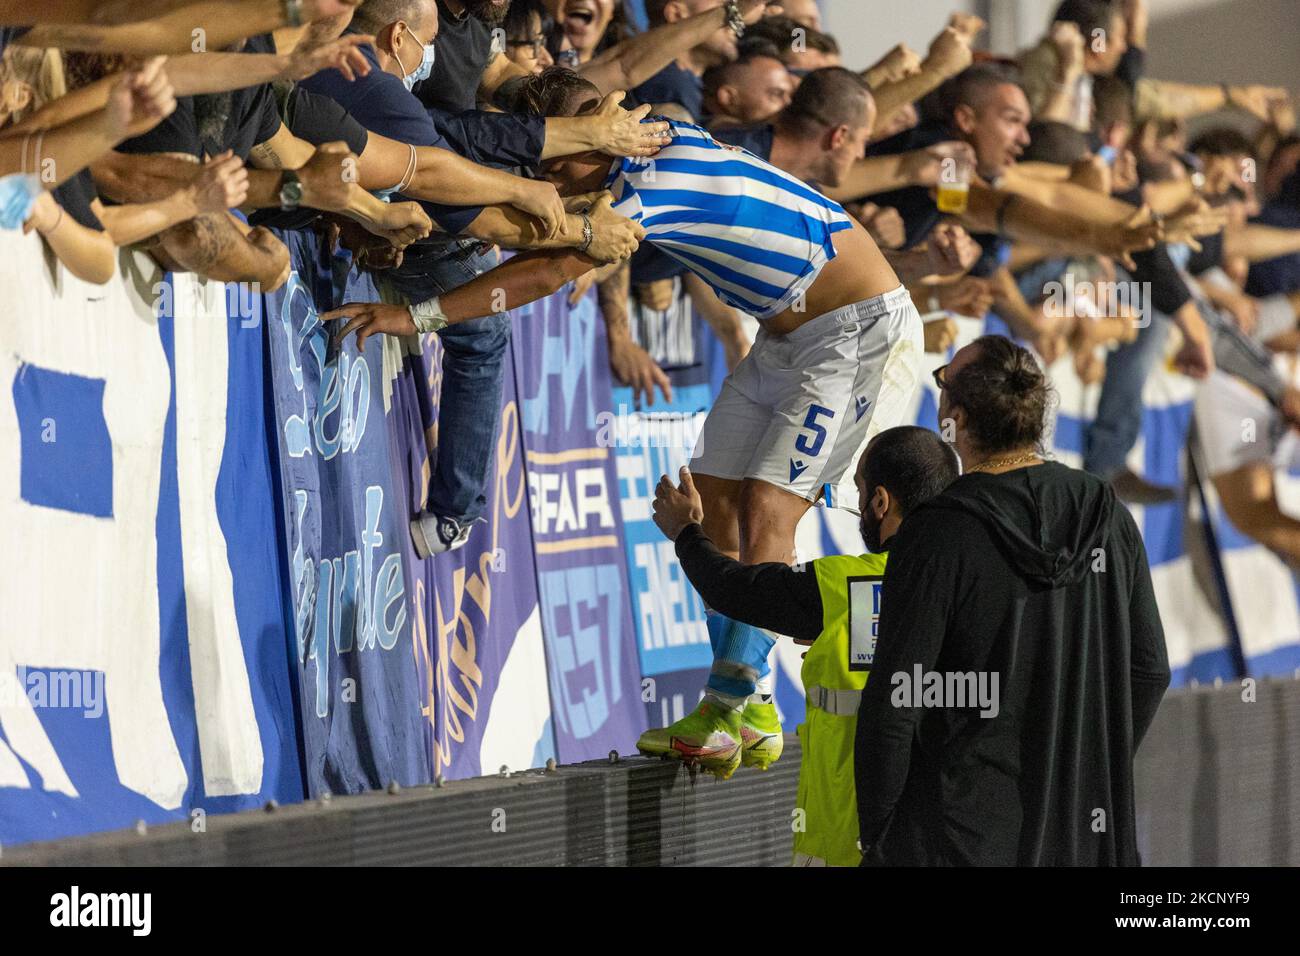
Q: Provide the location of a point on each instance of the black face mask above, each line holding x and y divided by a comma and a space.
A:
869, 525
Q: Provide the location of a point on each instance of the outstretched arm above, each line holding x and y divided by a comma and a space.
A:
193, 74
949, 54
771, 595
137, 102
518, 281
637, 59
189, 27
89, 254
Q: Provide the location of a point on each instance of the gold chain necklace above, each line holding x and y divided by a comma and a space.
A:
1003, 462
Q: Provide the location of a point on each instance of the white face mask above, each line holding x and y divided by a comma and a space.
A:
18, 195
428, 52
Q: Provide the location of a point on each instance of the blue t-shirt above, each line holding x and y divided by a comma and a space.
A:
673, 84
1280, 275
383, 105
756, 139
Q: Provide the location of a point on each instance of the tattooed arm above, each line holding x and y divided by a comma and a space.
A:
219, 246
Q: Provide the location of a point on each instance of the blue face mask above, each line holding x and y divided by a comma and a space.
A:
18, 195
425, 68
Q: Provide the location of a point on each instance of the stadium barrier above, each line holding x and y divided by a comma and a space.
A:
210, 597
1216, 786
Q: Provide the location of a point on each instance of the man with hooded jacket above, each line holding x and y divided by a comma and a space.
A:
1026, 577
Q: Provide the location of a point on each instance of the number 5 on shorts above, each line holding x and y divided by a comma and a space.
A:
813, 449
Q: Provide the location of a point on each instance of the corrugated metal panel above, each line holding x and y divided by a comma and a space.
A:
1218, 783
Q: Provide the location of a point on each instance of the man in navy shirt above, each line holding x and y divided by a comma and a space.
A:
473, 352
1273, 276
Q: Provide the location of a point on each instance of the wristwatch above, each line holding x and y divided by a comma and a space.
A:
292, 12
735, 19
290, 191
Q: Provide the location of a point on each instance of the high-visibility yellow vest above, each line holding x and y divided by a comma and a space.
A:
834, 673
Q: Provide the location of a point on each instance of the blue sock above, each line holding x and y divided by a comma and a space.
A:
739, 658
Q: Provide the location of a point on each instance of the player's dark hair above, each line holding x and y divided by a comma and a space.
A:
827, 98
1005, 394
556, 91
912, 463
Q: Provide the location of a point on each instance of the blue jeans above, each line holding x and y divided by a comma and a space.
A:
473, 369
1114, 431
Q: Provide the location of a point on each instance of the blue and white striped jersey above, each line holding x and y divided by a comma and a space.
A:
754, 233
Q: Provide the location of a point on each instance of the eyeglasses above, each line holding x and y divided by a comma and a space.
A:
939, 377
537, 43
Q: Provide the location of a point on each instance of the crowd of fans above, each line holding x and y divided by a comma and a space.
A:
1057, 191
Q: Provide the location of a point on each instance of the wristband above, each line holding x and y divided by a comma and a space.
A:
428, 316
588, 234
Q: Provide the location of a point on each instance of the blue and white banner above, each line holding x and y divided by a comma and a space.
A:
345, 536
143, 663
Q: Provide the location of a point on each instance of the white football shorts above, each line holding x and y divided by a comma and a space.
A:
800, 408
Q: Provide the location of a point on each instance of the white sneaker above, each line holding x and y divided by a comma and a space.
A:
434, 535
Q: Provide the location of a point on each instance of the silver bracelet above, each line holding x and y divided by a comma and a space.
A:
735, 19
428, 316
588, 233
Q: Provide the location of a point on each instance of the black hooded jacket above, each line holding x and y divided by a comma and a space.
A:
1036, 577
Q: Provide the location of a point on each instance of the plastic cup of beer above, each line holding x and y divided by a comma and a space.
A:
954, 186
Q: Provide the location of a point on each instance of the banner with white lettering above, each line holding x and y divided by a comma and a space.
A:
143, 661
564, 382
346, 535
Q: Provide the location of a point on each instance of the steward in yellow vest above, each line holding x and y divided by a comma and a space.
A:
831, 603
833, 674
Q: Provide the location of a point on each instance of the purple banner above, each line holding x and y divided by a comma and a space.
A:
562, 364
478, 642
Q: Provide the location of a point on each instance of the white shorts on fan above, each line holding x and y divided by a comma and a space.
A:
800, 408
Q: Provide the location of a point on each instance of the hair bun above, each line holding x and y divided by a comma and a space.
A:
1022, 379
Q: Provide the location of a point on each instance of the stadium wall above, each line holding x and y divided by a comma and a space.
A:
210, 599
1216, 786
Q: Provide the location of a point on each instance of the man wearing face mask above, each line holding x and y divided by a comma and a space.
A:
831, 603
409, 47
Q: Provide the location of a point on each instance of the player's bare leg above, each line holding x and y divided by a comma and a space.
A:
736, 721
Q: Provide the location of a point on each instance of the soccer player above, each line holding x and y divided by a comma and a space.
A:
835, 360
